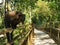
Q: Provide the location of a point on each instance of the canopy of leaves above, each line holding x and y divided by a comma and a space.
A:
45, 12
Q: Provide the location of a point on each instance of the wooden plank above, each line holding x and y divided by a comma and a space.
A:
5, 30
22, 41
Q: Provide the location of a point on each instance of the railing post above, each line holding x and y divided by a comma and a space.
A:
33, 32
50, 31
31, 35
28, 40
58, 35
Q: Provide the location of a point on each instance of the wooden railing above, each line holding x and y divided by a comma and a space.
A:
28, 38
23, 38
3, 35
54, 33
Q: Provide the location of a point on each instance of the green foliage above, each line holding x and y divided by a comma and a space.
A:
52, 5
1, 24
58, 17
41, 13
58, 4
24, 4
46, 12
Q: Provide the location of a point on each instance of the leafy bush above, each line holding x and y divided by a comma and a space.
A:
1, 24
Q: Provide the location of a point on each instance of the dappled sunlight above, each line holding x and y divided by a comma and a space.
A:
42, 38
1, 1
27, 22
42, 7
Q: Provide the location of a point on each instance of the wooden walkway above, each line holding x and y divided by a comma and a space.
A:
42, 38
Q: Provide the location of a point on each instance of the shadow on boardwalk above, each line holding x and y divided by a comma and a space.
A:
42, 38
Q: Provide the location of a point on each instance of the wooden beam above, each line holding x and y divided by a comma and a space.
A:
5, 30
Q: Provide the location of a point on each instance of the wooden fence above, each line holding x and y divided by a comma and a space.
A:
24, 38
54, 33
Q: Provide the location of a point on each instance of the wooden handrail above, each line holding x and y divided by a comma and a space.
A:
26, 36
56, 29
4, 30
